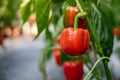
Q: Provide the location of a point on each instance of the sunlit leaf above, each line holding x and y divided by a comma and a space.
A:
42, 8
25, 10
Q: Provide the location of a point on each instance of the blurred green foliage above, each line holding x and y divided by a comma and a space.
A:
8, 10
116, 11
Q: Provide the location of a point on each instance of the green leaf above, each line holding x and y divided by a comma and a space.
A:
106, 31
84, 58
8, 10
57, 1
25, 10
66, 4
71, 2
65, 57
59, 27
102, 18
48, 35
116, 11
42, 8
56, 10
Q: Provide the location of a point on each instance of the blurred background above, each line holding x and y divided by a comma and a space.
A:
19, 53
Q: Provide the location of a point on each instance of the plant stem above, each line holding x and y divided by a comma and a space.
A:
105, 62
81, 9
95, 66
76, 22
100, 50
77, 17
97, 77
108, 73
42, 66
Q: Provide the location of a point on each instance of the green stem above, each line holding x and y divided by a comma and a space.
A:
81, 9
100, 50
97, 77
95, 66
51, 48
76, 22
108, 73
42, 60
77, 17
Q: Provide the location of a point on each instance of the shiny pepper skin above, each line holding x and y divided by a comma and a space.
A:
74, 42
56, 55
69, 16
73, 70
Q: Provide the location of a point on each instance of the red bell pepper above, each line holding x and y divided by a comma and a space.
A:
73, 70
56, 55
74, 42
70, 14
116, 31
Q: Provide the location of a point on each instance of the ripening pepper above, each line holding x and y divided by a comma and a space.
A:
69, 16
73, 70
116, 31
74, 42
58, 39
56, 55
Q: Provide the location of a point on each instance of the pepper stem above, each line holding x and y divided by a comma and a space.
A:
83, 14
95, 66
81, 9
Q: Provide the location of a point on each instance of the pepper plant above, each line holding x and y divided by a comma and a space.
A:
86, 29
